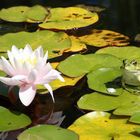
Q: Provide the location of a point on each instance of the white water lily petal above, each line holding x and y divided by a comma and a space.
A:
40, 49
10, 81
14, 50
52, 75
40, 64
27, 94
42, 72
32, 76
50, 90
27, 68
46, 56
27, 50
7, 68
11, 58
18, 66
39, 52
1, 67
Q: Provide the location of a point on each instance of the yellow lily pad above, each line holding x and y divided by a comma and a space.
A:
76, 45
102, 38
68, 18
98, 126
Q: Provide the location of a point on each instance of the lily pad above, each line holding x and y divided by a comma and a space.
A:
130, 52
36, 13
14, 14
33, 14
76, 45
98, 80
55, 43
129, 104
98, 126
124, 104
68, 18
135, 118
12, 121
102, 38
47, 132
78, 65
98, 102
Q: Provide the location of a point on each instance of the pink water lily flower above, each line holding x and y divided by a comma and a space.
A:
27, 69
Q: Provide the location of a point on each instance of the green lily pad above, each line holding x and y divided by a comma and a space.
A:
77, 65
12, 121
99, 126
124, 104
103, 38
14, 14
135, 118
47, 132
68, 18
129, 104
130, 52
98, 102
33, 14
97, 80
36, 13
55, 43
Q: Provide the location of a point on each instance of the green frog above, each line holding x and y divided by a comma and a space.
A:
131, 75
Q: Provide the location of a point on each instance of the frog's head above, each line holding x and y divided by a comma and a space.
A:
131, 65
131, 72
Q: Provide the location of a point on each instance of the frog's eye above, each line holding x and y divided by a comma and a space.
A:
125, 61
134, 62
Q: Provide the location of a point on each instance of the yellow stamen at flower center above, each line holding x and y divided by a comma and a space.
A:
30, 60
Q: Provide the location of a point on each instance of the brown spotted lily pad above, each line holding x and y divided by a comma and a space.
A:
103, 38
69, 18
